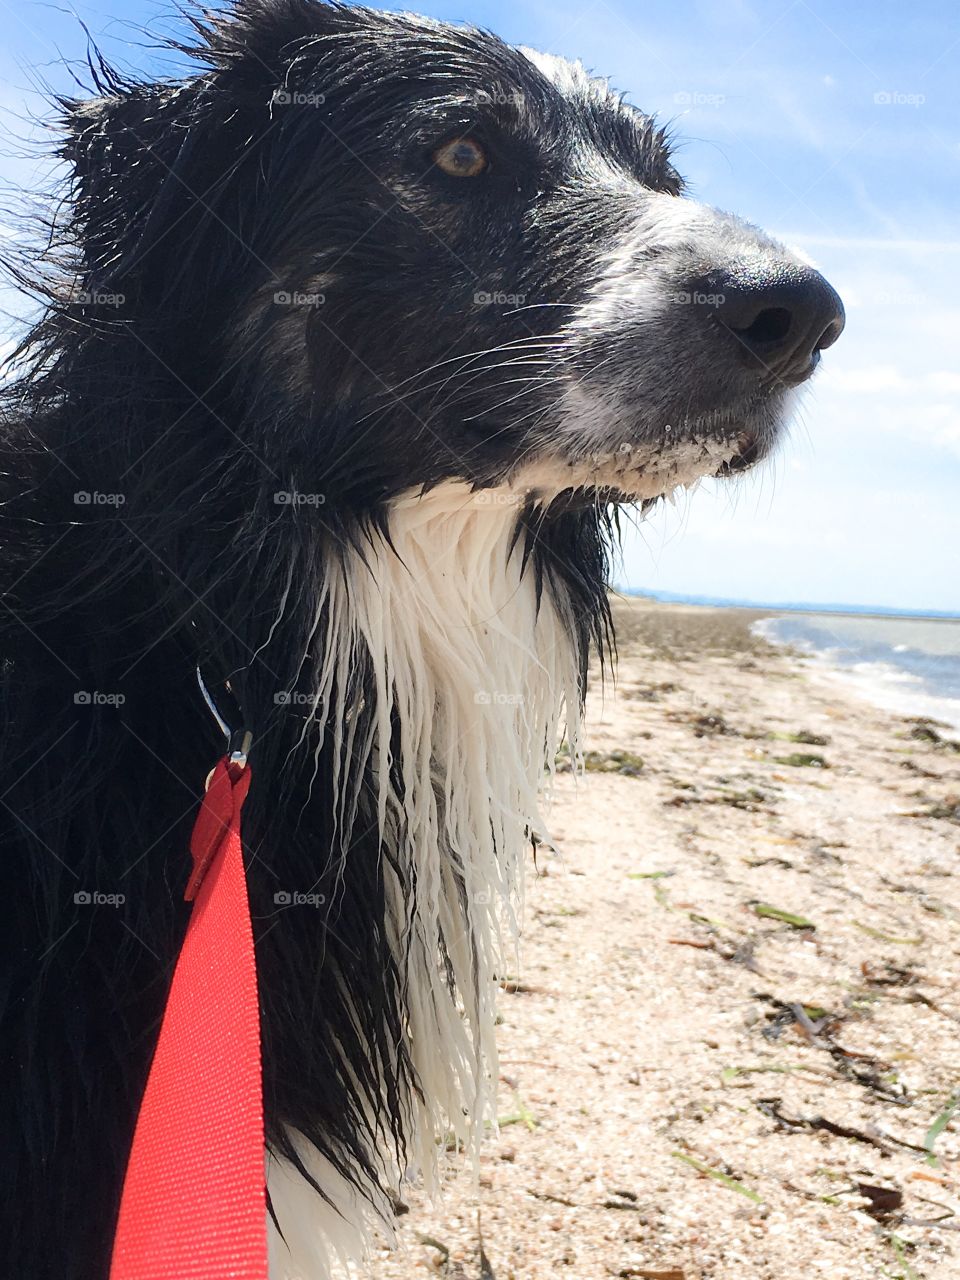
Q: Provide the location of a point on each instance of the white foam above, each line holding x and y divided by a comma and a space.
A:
880, 683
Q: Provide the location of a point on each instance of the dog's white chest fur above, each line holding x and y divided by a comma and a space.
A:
473, 680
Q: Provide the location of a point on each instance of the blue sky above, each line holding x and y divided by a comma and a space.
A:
836, 127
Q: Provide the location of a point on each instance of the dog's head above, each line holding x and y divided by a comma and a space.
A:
421, 254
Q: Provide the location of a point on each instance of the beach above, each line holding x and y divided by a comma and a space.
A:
731, 1043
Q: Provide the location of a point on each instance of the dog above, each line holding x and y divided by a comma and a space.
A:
356, 340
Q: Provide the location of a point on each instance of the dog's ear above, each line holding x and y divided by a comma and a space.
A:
268, 31
133, 178
154, 164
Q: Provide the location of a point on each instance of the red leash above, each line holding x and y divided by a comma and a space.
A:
194, 1196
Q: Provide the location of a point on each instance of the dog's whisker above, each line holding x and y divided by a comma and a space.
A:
533, 384
546, 341
420, 390
541, 306
461, 387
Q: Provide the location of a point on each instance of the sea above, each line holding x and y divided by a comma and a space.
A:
906, 663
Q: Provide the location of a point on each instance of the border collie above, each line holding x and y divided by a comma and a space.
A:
354, 341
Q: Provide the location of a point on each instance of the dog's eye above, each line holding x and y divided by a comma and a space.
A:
462, 158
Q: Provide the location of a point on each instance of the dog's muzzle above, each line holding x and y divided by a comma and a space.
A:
685, 356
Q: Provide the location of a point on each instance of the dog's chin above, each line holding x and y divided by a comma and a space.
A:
640, 473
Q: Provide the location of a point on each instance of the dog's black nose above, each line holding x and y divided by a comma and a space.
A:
782, 317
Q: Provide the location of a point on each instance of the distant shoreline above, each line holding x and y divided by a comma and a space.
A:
895, 668
837, 610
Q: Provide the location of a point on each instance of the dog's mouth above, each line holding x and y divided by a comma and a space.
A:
747, 454
630, 473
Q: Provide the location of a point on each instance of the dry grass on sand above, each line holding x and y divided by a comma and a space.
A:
733, 1047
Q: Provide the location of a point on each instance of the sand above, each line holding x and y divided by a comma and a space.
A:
732, 1043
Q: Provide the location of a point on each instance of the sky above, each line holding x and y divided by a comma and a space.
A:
834, 127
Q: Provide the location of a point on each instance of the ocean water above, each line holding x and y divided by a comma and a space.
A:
908, 665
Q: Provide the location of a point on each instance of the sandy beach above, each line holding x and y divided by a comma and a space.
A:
733, 1041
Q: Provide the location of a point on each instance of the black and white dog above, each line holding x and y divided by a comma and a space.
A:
353, 343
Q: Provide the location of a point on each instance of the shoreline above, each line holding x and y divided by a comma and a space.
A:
881, 680
899, 699
808, 610
916, 704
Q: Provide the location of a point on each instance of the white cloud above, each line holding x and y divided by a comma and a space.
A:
871, 381
881, 379
878, 244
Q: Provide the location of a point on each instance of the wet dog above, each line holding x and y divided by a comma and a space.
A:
356, 339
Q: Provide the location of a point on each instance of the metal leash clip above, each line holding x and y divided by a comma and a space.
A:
239, 741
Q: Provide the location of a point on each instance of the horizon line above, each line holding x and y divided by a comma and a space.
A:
793, 606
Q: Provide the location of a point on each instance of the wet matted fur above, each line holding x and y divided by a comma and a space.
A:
350, 434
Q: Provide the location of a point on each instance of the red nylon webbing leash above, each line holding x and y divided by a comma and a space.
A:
194, 1197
